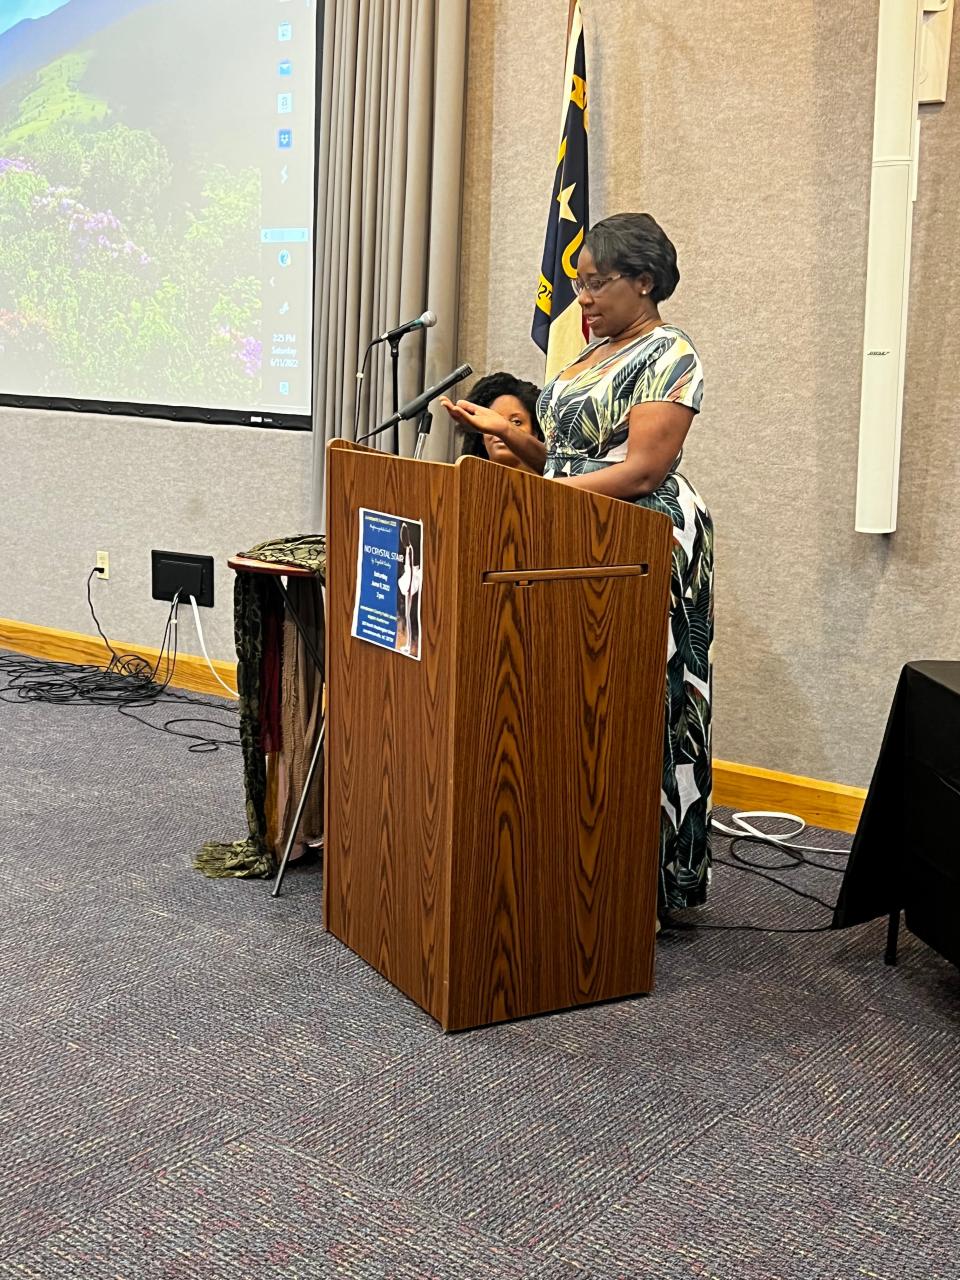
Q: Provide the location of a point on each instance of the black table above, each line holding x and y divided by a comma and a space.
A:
906, 853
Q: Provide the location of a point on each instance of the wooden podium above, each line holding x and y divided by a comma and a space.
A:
493, 810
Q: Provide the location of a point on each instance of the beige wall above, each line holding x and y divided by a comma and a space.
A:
746, 130
73, 484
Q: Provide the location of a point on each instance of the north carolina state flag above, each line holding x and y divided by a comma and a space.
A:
557, 320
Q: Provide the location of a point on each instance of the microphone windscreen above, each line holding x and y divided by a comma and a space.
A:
428, 319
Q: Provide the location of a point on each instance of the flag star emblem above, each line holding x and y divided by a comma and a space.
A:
563, 199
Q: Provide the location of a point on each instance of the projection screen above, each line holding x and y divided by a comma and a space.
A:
157, 206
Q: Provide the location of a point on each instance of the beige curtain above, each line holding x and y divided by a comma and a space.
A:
388, 215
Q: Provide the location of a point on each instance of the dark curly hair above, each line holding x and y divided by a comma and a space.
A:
635, 245
491, 388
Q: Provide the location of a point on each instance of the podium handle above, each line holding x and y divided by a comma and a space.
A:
523, 577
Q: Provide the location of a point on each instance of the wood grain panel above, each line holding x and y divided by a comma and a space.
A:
493, 810
388, 746
558, 748
268, 568
823, 804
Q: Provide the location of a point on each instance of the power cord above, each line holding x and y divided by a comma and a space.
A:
361, 374
126, 678
200, 743
196, 619
127, 682
744, 832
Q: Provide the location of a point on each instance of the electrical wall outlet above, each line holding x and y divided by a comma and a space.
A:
103, 564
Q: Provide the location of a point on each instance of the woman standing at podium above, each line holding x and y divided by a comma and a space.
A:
615, 422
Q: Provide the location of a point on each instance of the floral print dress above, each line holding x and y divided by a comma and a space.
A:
585, 424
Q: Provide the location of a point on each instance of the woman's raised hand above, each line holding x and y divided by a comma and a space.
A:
475, 417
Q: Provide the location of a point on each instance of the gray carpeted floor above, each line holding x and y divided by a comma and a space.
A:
197, 1082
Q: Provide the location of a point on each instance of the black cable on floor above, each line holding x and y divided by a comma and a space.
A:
739, 863
685, 927
797, 857
128, 681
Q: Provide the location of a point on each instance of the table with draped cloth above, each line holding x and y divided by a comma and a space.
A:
906, 853
281, 706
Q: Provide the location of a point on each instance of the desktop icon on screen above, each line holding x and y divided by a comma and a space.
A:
285, 31
284, 103
284, 139
284, 257
284, 388
285, 68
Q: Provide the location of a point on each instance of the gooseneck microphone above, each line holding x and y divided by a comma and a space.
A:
414, 408
425, 321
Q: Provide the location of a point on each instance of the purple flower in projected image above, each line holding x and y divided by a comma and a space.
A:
54, 201
250, 356
91, 229
84, 222
13, 164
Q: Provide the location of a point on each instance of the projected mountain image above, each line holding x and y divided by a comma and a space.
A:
130, 201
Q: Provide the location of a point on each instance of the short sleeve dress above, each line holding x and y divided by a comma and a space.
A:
585, 424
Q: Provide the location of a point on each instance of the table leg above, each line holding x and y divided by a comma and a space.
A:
301, 629
317, 751
295, 825
893, 930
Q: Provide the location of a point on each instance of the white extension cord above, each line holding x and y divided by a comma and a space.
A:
784, 839
196, 618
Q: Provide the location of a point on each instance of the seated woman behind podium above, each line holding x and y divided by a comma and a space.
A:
614, 422
515, 402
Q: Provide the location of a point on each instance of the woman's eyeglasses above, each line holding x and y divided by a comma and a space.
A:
593, 286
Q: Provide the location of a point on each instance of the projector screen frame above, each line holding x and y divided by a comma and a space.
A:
163, 412
211, 415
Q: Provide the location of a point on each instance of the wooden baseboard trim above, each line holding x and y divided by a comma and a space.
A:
822, 804
191, 672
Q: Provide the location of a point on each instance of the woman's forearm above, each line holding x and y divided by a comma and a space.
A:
525, 447
618, 480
